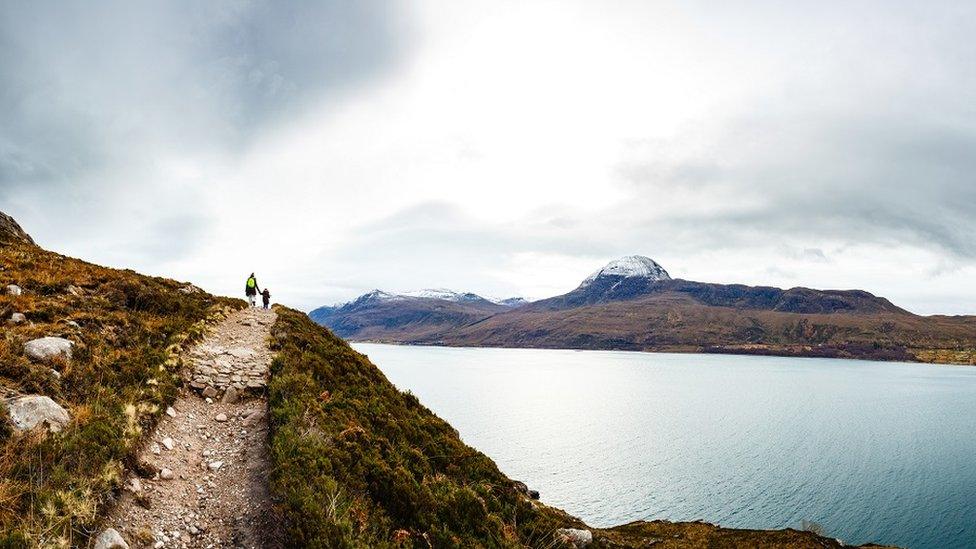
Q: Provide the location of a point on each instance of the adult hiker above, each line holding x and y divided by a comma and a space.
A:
251, 290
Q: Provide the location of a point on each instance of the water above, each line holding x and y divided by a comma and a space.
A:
872, 451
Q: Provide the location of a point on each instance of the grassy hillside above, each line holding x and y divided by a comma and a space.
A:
674, 322
127, 329
360, 464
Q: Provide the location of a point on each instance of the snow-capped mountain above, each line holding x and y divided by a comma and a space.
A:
632, 303
512, 301
631, 266
428, 311
446, 295
442, 294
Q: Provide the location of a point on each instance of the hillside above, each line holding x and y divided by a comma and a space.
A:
354, 462
633, 304
102, 384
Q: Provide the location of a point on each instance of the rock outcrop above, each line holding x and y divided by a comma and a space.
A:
10, 230
30, 411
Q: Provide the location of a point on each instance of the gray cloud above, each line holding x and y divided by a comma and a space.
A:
85, 86
842, 126
94, 95
886, 180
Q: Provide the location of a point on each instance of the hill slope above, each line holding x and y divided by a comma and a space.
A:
357, 462
632, 304
125, 332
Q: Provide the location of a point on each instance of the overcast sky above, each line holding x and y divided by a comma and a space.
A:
506, 148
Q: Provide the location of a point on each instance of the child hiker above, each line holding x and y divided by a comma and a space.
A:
266, 297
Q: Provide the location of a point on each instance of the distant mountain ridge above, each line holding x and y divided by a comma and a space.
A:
424, 312
632, 303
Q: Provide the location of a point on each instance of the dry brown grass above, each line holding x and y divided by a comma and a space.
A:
123, 372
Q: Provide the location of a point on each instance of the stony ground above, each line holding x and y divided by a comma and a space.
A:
203, 475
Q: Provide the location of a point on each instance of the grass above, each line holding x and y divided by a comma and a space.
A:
358, 463
123, 372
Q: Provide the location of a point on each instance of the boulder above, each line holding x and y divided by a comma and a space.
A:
17, 318
575, 536
209, 392
46, 348
27, 412
231, 396
110, 539
166, 474
14, 289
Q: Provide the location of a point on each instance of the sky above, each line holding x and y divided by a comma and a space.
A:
505, 147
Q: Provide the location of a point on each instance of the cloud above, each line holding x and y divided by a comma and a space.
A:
503, 148
125, 123
106, 96
813, 177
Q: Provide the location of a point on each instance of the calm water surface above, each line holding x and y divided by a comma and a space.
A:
882, 452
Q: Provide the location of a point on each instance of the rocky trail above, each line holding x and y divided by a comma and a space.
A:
202, 478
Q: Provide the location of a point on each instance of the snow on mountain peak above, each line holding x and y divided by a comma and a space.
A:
432, 293
631, 266
438, 293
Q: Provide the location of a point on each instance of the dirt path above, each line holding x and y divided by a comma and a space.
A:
206, 467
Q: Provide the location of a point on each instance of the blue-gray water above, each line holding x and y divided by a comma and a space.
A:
872, 451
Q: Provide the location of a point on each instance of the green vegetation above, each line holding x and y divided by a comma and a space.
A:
128, 330
358, 463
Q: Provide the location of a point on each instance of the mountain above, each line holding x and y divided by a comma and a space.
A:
633, 304
425, 313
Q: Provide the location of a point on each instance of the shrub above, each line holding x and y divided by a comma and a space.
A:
357, 463
51, 487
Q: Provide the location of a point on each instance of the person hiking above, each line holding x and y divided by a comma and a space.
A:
251, 290
266, 297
